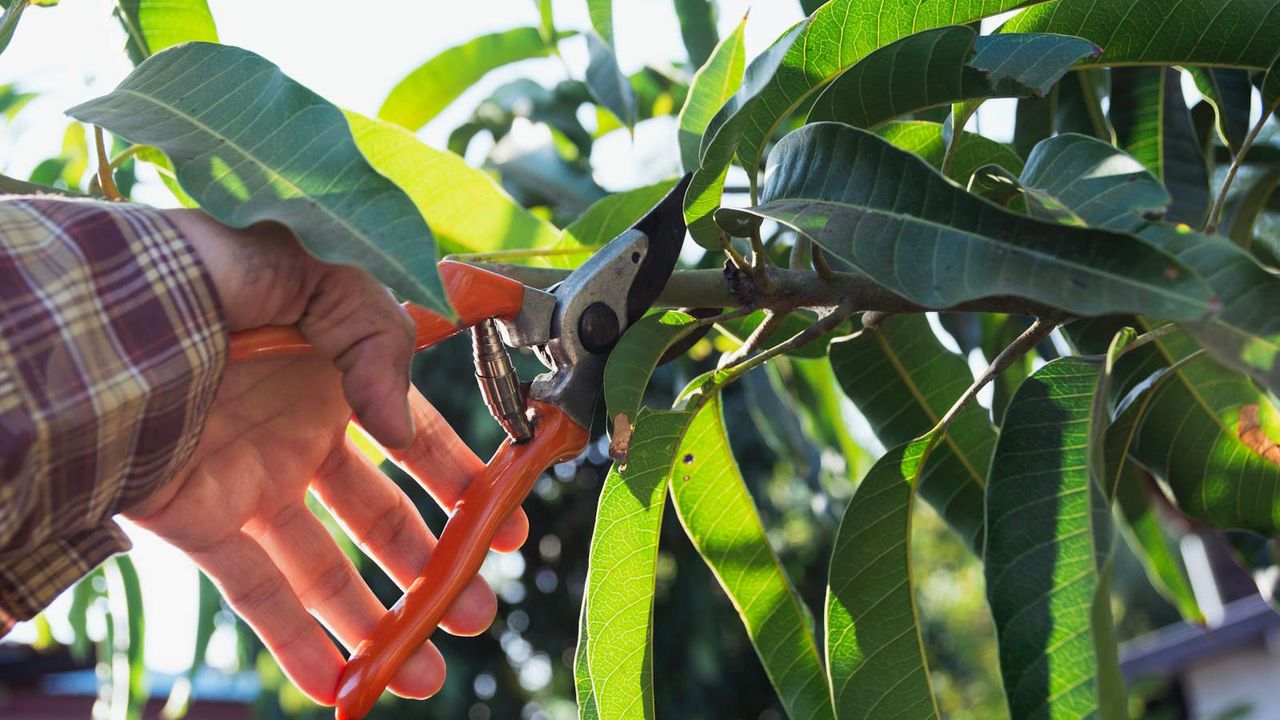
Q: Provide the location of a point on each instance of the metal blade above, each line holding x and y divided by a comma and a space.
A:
665, 227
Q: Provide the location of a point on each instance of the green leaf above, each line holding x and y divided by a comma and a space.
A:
739, 329
698, 29
291, 160
622, 568
610, 88
927, 141
1004, 189
936, 68
128, 631
894, 219
609, 217
83, 594
1230, 93
546, 20
601, 14
713, 85
154, 25
720, 518
1079, 107
436, 83
813, 383
874, 647
583, 692
164, 168
1152, 124
841, 33
720, 141
1211, 436
1047, 556
9, 22
1247, 210
1159, 32
903, 381
636, 355
1095, 181
467, 209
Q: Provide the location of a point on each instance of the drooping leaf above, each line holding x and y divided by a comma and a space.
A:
814, 384
1048, 552
936, 68
893, 218
610, 88
1151, 123
436, 83
127, 638
292, 160
1004, 189
1230, 93
1079, 108
1094, 181
9, 22
1211, 436
1158, 32
720, 518
622, 568
926, 140
698, 28
154, 25
635, 357
1244, 217
714, 83
466, 209
903, 381
1033, 121
874, 646
841, 33
721, 137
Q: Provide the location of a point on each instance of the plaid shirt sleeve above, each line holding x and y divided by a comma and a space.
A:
112, 343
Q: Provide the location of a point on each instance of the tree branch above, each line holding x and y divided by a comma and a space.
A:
790, 289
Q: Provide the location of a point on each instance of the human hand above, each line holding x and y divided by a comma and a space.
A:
277, 429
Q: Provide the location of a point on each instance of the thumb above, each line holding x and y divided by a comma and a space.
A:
352, 320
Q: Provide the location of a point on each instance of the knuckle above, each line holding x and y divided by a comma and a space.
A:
250, 600
388, 531
332, 581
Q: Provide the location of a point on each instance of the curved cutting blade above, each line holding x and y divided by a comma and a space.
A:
665, 227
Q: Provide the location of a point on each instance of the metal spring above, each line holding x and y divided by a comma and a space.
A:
498, 382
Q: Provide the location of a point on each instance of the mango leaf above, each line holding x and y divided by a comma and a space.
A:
1146, 535
164, 168
1047, 556
893, 218
903, 381
935, 68
154, 25
720, 141
622, 567
713, 85
1094, 181
1079, 108
1230, 93
610, 88
583, 692
1244, 217
1211, 436
1152, 124
814, 385
874, 647
9, 22
436, 83
1158, 32
720, 518
636, 355
601, 14
292, 160
127, 634
927, 141
698, 29
841, 33
467, 209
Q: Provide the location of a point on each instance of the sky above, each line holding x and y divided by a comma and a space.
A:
352, 54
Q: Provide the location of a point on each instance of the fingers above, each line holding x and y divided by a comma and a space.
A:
384, 523
259, 593
355, 322
444, 465
328, 584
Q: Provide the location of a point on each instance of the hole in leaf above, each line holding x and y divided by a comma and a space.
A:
688, 459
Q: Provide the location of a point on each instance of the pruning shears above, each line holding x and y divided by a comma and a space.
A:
572, 327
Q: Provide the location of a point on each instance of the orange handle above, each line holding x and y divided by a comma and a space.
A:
475, 293
489, 500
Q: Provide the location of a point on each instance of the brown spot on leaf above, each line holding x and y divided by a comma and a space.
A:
687, 459
1252, 434
620, 442
685, 478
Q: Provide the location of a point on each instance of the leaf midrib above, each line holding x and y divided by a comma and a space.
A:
233, 144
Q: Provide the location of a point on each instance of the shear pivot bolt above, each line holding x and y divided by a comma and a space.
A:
598, 327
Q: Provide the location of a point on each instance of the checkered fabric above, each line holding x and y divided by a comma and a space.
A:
111, 346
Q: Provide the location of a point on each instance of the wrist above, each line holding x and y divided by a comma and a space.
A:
261, 274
